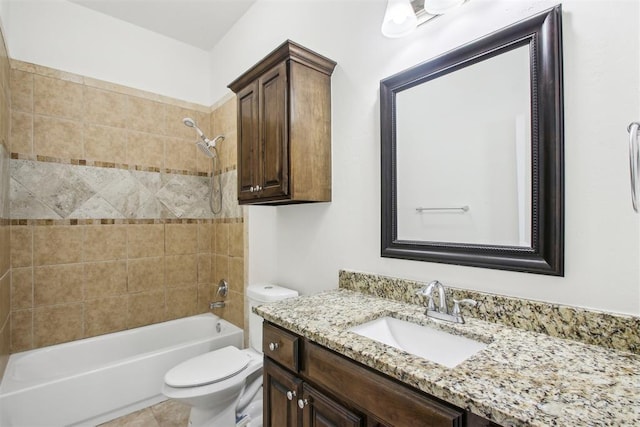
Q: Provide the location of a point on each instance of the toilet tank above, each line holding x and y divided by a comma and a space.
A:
261, 294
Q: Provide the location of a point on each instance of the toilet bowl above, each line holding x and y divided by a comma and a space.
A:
221, 384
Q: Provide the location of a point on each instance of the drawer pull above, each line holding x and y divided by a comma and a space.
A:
273, 346
302, 403
291, 394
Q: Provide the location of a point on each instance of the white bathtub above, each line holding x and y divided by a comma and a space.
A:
93, 380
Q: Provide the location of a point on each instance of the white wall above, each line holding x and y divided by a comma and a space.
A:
70, 37
304, 246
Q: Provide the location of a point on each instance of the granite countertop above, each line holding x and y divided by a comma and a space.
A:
521, 378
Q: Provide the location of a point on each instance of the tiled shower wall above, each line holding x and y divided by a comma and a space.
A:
110, 227
5, 272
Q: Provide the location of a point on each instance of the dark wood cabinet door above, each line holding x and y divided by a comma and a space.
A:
248, 142
281, 393
274, 160
321, 411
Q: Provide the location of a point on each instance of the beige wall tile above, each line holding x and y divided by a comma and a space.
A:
21, 139
222, 239
180, 154
105, 242
58, 284
105, 107
181, 302
21, 91
204, 268
236, 274
145, 308
236, 239
181, 239
146, 116
204, 237
220, 268
205, 296
21, 246
228, 152
105, 144
145, 274
5, 298
57, 244
145, 149
182, 270
57, 137
104, 279
5, 249
57, 98
105, 315
145, 240
21, 288
203, 163
21, 330
56, 324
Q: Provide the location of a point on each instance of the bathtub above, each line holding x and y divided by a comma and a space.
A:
90, 381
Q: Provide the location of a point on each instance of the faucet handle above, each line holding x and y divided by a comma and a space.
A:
457, 302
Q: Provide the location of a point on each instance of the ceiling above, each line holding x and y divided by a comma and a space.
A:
199, 23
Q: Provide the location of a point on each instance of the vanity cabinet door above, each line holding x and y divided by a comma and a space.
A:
281, 393
319, 410
248, 141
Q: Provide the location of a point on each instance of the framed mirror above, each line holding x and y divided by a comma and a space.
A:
472, 153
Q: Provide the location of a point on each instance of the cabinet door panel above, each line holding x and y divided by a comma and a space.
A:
321, 411
353, 383
278, 410
274, 164
248, 141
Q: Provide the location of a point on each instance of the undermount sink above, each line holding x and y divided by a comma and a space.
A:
423, 341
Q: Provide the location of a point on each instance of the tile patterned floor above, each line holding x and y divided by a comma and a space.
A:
165, 414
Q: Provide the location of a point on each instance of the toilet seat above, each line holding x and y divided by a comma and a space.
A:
208, 368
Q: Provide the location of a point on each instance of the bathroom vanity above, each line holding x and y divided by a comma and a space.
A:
320, 373
306, 384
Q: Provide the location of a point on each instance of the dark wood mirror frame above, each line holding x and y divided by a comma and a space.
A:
543, 34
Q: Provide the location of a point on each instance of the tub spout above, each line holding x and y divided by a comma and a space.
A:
216, 304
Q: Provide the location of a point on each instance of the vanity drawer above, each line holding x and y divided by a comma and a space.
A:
281, 346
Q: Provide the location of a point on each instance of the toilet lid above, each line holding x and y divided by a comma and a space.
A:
208, 368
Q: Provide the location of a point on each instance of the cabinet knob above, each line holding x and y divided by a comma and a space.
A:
258, 188
302, 403
291, 394
252, 189
273, 346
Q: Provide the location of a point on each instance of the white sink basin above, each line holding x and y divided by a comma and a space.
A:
432, 344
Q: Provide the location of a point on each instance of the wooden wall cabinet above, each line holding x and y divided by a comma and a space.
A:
284, 128
307, 385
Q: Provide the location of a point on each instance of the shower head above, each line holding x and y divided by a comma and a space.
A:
206, 146
188, 121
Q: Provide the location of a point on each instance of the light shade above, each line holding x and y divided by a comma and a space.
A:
399, 19
439, 7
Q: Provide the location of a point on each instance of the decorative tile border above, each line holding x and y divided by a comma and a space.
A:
615, 331
108, 221
61, 191
110, 165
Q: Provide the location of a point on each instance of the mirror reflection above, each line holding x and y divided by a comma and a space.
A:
464, 154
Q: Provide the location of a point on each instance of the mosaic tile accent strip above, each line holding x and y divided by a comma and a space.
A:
4, 179
520, 379
608, 330
57, 191
59, 222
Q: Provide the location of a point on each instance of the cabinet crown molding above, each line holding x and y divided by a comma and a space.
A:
288, 50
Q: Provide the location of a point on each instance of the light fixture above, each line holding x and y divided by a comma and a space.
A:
399, 19
439, 7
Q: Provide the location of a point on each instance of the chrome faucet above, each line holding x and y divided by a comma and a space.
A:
442, 312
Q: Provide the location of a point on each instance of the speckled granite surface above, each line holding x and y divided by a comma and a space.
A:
522, 378
613, 331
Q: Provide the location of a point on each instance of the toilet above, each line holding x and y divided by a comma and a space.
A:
222, 384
